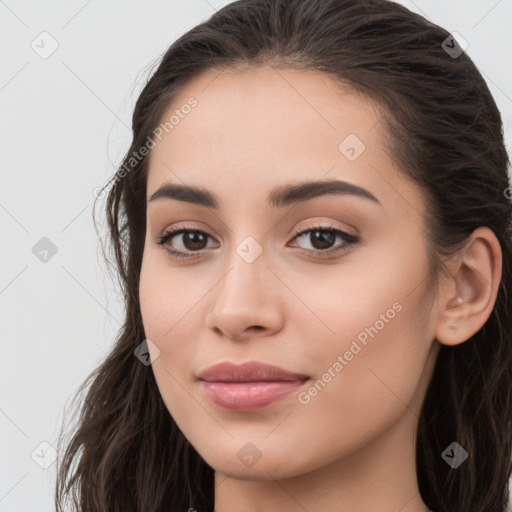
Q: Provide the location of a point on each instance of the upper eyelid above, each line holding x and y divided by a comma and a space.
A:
321, 227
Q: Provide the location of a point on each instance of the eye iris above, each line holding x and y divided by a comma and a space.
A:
326, 239
194, 237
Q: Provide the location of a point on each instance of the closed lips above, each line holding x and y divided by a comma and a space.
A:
248, 387
248, 372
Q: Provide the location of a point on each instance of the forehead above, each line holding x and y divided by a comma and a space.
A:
257, 128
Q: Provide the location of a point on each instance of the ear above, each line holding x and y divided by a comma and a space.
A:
469, 294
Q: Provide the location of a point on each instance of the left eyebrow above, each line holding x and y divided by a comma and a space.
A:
279, 197
289, 194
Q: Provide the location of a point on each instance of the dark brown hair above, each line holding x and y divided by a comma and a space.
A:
443, 130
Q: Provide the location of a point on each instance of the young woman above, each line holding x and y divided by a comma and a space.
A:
312, 227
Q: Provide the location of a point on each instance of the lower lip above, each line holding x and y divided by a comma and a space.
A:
248, 396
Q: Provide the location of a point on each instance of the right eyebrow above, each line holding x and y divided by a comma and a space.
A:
190, 194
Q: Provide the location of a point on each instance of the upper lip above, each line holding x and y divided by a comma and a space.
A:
251, 371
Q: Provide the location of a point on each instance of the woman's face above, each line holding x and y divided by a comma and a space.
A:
348, 316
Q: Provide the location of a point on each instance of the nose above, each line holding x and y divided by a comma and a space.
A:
246, 303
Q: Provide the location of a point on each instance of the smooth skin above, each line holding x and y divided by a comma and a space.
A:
352, 446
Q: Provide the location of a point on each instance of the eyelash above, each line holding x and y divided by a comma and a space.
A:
350, 240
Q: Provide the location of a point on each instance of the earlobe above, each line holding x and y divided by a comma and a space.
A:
475, 279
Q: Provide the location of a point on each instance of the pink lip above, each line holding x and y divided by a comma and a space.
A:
249, 386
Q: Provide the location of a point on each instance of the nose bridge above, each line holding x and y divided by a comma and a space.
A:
247, 271
245, 296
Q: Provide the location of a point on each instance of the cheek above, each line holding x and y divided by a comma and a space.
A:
167, 298
361, 389
369, 350
167, 302
375, 357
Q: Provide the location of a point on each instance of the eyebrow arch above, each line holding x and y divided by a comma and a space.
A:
279, 197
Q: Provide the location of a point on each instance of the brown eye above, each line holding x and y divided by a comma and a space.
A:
187, 240
322, 239
194, 240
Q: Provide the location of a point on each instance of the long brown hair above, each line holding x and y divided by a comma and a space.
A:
443, 130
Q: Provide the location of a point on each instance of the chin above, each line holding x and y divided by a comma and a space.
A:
269, 465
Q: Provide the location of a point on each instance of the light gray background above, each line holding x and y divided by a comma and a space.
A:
65, 124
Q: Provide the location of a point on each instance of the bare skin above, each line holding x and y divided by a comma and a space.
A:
349, 447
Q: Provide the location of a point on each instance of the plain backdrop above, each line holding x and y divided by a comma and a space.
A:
65, 124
